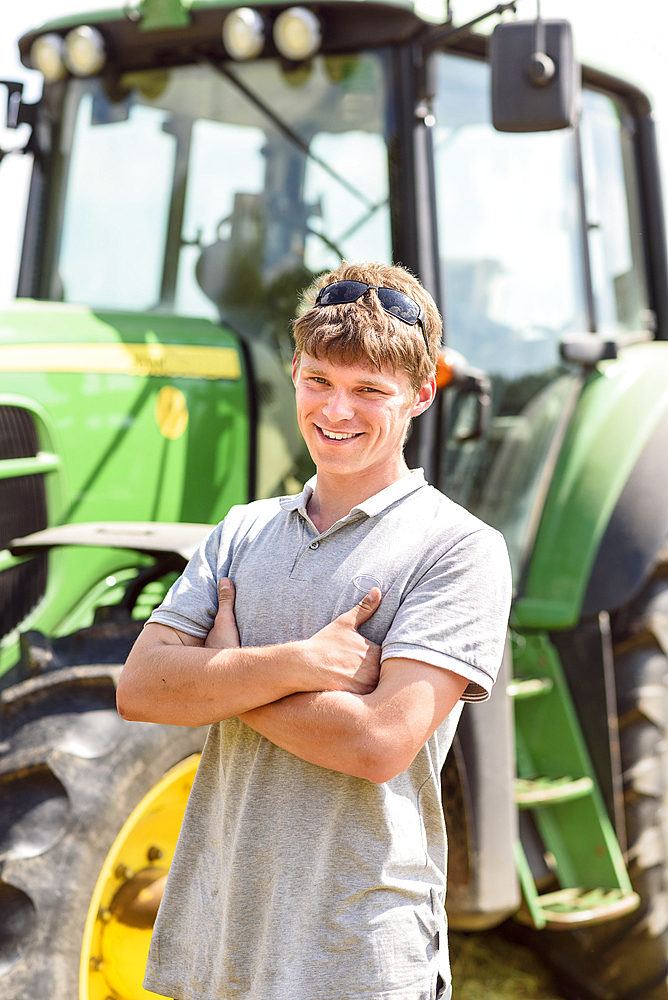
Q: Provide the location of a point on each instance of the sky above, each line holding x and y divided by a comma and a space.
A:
614, 35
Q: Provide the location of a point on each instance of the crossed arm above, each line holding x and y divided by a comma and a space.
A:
325, 699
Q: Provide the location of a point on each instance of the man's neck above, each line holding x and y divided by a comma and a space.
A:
335, 496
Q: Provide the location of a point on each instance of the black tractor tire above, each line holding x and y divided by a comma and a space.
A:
71, 772
627, 959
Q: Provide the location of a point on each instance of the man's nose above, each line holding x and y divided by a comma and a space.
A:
338, 405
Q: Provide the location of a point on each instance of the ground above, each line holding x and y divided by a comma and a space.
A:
488, 967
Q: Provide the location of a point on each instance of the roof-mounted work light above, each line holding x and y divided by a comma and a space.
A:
243, 33
46, 55
84, 51
297, 33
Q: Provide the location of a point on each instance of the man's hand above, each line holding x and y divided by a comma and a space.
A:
224, 634
341, 657
337, 657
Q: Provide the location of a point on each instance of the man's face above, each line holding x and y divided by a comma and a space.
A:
354, 417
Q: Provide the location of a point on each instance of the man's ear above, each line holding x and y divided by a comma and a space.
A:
295, 367
425, 396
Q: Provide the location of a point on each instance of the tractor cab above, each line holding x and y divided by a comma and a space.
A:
210, 162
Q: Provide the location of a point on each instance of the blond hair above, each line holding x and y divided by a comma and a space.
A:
363, 331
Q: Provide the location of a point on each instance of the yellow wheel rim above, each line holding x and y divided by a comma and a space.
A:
121, 912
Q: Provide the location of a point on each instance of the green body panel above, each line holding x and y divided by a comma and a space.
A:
158, 14
620, 406
101, 447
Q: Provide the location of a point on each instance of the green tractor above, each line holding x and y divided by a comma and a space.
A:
193, 167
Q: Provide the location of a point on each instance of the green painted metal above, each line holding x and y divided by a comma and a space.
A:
529, 891
103, 452
574, 908
104, 423
576, 830
159, 14
7, 560
43, 462
620, 406
533, 688
531, 792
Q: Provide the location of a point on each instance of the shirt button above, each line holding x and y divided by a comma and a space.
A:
314, 545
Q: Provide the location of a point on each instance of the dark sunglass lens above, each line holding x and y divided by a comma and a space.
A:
340, 292
399, 304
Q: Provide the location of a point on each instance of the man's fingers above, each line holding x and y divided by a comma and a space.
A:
366, 607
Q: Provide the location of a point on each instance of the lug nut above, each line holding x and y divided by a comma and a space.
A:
154, 853
122, 872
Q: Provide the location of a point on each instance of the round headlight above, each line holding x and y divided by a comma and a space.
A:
84, 51
46, 55
297, 33
243, 33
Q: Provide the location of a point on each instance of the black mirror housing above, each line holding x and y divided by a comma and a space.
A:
535, 78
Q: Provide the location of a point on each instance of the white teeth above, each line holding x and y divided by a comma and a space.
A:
336, 437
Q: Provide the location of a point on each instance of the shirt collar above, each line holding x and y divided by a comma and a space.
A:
374, 505
299, 502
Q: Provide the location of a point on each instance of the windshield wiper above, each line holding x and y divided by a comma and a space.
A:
290, 134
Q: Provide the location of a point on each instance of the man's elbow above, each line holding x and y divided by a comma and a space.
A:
382, 763
128, 702
134, 697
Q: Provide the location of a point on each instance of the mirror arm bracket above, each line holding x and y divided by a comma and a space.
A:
18, 112
445, 33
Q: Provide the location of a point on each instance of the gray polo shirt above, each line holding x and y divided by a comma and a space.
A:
292, 881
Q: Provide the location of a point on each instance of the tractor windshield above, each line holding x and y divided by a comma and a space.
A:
538, 239
220, 191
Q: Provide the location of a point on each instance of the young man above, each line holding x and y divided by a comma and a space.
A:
311, 863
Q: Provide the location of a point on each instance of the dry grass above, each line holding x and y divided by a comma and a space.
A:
487, 967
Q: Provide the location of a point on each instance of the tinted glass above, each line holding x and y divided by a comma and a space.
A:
620, 296
210, 194
512, 269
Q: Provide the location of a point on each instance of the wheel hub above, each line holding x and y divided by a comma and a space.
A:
129, 889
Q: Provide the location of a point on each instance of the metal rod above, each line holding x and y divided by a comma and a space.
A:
442, 34
613, 728
584, 234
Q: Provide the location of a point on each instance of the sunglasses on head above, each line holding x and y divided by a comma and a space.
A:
394, 302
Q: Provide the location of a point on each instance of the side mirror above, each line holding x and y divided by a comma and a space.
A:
535, 78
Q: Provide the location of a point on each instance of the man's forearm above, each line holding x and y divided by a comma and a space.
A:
329, 728
190, 685
173, 678
373, 736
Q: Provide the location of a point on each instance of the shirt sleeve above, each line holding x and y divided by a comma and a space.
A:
191, 604
456, 615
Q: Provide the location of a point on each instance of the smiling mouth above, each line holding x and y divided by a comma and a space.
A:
336, 435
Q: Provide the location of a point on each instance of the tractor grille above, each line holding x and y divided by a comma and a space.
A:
22, 511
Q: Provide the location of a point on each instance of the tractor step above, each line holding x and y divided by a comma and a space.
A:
568, 908
530, 792
564, 818
533, 687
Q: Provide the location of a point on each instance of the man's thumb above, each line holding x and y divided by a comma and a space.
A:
366, 606
225, 592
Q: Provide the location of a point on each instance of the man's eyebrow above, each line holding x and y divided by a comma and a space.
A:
370, 380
